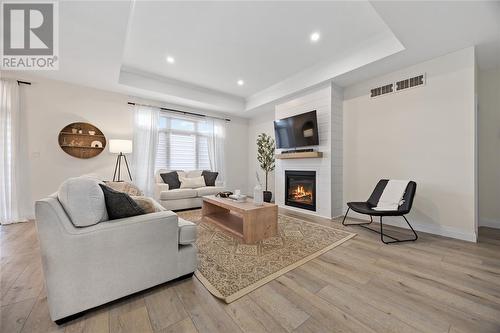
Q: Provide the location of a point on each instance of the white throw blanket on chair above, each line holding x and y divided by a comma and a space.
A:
392, 197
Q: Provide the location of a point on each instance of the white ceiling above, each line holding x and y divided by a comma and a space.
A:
431, 29
91, 42
217, 43
121, 46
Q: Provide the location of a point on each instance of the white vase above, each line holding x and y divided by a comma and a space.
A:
258, 196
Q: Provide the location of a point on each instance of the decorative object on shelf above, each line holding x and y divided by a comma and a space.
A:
96, 144
265, 156
92, 132
75, 140
120, 147
258, 195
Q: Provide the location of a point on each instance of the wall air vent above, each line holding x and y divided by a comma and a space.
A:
388, 88
400, 85
410, 83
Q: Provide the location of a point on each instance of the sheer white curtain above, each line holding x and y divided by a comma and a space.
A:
216, 147
15, 198
146, 122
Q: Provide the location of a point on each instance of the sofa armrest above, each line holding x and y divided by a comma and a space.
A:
109, 240
160, 187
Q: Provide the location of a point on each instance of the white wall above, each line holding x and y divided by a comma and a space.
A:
262, 123
425, 134
489, 147
236, 154
50, 105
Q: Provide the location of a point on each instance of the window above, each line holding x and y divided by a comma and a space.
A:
183, 144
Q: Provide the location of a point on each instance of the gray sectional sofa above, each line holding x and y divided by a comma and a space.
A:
87, 266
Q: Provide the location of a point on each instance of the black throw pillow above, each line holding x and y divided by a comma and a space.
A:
120, 205
172, 179
210, 177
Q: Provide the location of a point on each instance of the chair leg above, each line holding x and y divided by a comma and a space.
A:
381, 232
360, 224
343, 221
394, 240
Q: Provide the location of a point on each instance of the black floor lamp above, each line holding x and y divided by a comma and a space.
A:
120, 147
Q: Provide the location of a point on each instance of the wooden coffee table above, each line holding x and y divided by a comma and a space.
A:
244, 220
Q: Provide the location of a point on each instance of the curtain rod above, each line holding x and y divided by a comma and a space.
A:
179, 111
24, 82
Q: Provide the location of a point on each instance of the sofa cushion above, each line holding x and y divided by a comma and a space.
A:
191, 174
125, 187
210, 177
180, 193
83, 201
194, 182
158, 172
172, 179
187, 232
209, 190
120, 205
148, 205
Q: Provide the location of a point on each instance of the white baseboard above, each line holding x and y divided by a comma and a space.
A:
486, 222
444, 231
439, 230
300, 211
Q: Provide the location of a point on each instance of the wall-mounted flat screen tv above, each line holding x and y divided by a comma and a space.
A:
297, 131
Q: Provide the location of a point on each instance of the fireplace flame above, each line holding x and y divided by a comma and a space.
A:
300, 193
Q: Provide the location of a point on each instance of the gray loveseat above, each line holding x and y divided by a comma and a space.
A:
183, 198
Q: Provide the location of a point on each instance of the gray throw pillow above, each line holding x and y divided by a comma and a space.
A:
172, 179
83, 201
210, 177
120, 205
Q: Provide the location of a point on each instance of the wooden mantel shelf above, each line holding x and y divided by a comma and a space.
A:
309, 154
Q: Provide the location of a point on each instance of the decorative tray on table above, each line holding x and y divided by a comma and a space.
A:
238, 198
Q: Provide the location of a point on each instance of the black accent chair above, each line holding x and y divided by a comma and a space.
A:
367, 209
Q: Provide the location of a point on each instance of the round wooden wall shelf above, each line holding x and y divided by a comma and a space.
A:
82, 140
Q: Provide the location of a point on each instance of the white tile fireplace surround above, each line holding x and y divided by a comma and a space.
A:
327, 102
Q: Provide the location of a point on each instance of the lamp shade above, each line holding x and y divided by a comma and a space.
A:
120, 146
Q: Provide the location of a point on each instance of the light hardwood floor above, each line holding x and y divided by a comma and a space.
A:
433, 285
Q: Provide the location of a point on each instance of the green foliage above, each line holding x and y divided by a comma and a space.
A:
265, 153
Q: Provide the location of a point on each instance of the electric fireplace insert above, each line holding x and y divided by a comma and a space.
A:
300, 189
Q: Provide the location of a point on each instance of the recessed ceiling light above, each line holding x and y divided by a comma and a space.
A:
240, 82
170, 60
314, 37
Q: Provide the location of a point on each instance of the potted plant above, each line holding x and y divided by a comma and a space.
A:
265, 156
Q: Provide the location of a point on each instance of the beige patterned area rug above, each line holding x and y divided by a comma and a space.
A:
230, 269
